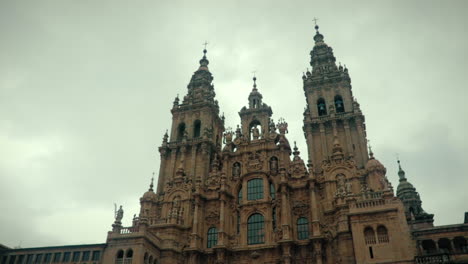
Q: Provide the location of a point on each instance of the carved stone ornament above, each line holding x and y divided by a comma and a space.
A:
254, 162
300, 208
212, 218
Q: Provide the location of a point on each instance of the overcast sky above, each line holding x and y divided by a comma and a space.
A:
86, 88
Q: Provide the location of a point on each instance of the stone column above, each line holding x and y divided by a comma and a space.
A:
314, 211
162, 175
349, 140
323, 140
318, 252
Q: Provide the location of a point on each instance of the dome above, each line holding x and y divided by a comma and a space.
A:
373, 164
149, 195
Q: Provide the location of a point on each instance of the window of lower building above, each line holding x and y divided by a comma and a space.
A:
96, 255
76, 256
29, 259
21, 259
12, 259
255, 229
255, 189
66, 257
57, 257
85, 256
47, 257
38, 258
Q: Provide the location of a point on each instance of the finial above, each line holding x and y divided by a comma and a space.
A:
255, 82
151, 185
371, 154
204, 50
315, 22
401, 172
204, 62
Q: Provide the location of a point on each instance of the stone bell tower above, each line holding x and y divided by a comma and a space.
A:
196, 130
331, 111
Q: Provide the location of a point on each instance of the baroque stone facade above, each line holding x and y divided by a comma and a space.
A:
237, 196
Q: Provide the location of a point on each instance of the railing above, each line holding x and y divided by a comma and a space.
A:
129, 230
440, 258
124, 261
370, 203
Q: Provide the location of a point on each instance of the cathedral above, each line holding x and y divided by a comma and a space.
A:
248, 195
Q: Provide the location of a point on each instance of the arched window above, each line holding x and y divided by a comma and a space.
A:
120, 257
339, 105
444, 245
145, 259
180, 131
196, 128
255, 130
321, 107
428, 246
239, 196
272, 191
369, 235
459, 243
255, 189
151, 259
129, 253
255, 229
212, 237
382, 234
302, 228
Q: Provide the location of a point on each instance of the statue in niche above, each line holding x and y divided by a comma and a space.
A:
349, 187
340, 185
255, 132
118, 213
384, 183
274, 165
236, 170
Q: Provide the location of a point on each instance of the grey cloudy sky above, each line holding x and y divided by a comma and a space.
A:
86, 88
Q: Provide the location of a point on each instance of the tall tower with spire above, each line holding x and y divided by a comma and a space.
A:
196, 130
331, 110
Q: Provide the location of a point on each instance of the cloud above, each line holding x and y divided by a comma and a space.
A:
86, 88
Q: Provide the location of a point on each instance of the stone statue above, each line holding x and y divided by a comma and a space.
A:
274, 165
255, 133
348, 187
119, 214
236, 170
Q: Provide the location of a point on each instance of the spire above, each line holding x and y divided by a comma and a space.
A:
401, 172
371, 154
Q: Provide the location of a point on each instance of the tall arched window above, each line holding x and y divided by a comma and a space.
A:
255, 229
321, 107
302, 228
339, 105
145, 259
255, 189
120, 257
369, 235
272, 191
180, 131
196, 129
212, 237
239, 196
382, 234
